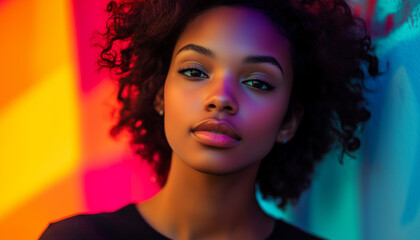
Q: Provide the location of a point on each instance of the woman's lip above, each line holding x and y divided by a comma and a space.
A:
222, 127
215, 139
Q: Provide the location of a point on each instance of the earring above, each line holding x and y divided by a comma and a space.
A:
161, 113
284, 140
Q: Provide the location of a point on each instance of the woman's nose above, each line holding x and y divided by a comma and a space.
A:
221, 97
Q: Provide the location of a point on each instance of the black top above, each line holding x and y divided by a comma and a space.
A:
127, 224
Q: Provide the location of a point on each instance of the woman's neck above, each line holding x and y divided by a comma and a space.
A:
196, 205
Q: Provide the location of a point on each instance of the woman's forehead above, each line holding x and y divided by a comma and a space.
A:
234, 33
248, 27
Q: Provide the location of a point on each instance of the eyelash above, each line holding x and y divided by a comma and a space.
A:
183, 70
267, 84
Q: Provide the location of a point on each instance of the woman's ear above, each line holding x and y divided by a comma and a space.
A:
158, 102
290, 125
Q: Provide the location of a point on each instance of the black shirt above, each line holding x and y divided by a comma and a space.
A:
128, 224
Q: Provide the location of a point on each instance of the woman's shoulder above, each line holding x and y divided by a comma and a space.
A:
284, 230
125, 223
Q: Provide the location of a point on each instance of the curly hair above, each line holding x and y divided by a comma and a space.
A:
330, 50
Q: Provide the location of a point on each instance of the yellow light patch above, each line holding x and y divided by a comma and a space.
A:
39, 138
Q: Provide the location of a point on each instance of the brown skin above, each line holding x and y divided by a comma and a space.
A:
210, 192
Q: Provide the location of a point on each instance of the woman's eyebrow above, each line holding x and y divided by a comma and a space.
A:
263, 59
249, 59
198, 49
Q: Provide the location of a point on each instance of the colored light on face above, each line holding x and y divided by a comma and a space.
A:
231, 65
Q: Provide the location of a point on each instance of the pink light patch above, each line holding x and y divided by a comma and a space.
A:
358, 9
111, 187
371, 7
143, 132
89, 16
389, 23
138, 123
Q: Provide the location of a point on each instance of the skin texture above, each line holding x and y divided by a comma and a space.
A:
225, 88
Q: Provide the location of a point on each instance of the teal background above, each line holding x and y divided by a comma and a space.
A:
377, 194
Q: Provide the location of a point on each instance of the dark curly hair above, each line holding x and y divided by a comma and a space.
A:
330, 52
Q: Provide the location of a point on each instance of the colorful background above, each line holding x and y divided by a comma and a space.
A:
57, 159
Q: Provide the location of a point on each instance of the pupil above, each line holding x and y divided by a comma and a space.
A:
256, 84
195, 73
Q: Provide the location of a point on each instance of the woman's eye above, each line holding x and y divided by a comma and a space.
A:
262, 85
192, 73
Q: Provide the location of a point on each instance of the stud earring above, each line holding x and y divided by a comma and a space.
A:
161, 113
284, 140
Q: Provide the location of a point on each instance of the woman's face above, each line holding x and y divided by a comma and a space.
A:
231, 70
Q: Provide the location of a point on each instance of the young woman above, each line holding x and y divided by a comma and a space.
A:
221, 97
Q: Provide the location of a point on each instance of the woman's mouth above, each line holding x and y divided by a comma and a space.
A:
216, 133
